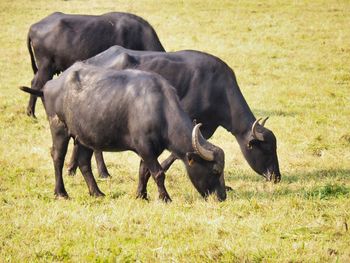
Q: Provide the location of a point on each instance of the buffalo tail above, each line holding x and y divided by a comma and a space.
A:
34, 92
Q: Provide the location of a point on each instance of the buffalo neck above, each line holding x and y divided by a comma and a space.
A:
180, 137
241, 117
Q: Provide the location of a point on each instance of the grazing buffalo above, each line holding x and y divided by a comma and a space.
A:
59, 40
209, 93
110, 110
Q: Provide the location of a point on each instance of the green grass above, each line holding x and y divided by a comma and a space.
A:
292, 62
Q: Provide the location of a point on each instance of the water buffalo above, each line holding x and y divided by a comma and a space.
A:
110, 110
59, 40
209, 93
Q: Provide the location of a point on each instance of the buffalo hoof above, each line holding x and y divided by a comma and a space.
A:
63, 195
273, 178
228, 188
105, 175
71, 171
269, 180
97, 193
142, 196
277, 180
165, 198
31, 113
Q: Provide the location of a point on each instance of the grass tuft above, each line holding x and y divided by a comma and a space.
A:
327, 192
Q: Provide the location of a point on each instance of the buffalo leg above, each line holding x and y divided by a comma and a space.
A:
159, 177
144, 175
31, 106
168, 162
73, 163
44, 74
84, 160
101, 165
60, 141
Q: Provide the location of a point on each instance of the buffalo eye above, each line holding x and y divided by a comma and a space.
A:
252, 143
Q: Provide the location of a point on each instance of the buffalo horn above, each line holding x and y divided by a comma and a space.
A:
264, 120
257, 135
200, 149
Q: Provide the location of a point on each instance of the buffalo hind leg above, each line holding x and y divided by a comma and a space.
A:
84, 161
60, 141
73, 163
101, 166
44, 74
31, 106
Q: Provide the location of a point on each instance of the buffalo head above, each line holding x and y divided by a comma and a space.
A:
205, 166
260, 150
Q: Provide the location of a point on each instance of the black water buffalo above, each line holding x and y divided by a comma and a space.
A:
209, 93
123, 110
59, 40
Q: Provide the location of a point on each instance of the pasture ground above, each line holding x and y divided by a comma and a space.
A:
292, 62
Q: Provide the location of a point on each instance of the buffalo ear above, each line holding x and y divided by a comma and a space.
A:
191, 158
249, 145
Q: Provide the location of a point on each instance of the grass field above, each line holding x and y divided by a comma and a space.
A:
292, 62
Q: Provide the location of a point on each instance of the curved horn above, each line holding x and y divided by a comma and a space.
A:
254, 128
257, 135
264, 120
200, 149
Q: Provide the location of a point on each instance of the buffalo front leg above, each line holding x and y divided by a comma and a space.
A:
101, 165
144, 175
60, 141
168, 162
159, 177
84, 160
